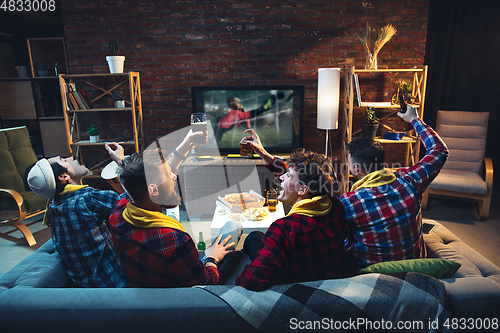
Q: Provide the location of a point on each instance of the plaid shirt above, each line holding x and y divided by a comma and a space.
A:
81, 236
298, 248
386, 221
157, 257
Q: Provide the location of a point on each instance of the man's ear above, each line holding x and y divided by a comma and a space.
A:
64, 178
357, 169
303, 190
153, 190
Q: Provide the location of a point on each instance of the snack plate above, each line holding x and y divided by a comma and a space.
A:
237, 208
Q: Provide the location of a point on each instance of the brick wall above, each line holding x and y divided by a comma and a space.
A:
178, 44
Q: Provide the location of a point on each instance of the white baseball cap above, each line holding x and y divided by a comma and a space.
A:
41, 179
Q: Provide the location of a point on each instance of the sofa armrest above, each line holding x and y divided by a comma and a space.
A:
474, 290
42, 269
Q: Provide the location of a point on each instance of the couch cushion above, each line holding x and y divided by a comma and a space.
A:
9, 177
465, 135
459, 181
438, 268
17, 158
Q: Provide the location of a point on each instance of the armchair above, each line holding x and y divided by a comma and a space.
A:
17, 158
467, 173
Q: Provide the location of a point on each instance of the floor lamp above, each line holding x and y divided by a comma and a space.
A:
328, 100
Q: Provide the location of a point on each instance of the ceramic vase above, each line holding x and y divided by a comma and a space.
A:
22, 71
115, 63
94, 138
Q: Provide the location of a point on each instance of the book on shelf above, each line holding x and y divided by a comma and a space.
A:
78, 100
357, 95
70, 101
85, 100
73, 101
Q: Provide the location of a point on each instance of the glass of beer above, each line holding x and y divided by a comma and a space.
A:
199, 124
272, 200
246, 151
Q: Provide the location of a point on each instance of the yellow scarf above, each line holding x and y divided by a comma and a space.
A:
142, 218
67, 190
375, 179
317, 206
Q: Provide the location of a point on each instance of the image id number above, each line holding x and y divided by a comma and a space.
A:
28, 5
471, 323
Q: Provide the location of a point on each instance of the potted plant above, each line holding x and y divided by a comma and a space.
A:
118, 98
370, 124
93, 131
115, 61
406, 89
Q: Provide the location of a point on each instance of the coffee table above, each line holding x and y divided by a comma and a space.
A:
220, 219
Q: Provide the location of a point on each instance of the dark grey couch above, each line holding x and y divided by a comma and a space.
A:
36, 296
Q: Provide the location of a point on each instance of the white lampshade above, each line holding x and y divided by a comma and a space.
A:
328, 98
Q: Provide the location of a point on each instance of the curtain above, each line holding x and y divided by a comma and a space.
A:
463, 55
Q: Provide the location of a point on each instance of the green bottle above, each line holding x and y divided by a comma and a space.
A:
201, 244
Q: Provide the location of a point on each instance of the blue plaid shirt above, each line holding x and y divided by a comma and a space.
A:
81, 236
386, 221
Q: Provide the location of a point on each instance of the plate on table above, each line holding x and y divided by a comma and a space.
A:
256, 213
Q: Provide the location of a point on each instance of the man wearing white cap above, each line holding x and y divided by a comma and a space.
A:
78, 218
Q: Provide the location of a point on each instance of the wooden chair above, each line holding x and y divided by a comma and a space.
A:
17, 156
467, 173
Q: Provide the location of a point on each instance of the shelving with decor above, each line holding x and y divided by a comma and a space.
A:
352, 92
96, 85
34, 101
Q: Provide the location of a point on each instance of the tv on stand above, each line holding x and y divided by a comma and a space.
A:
274, 112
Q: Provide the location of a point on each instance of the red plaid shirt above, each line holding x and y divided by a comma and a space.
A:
386, 221
157, 257
298, 248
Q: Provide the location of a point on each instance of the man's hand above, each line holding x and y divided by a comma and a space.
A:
253, 140
411, 113
115, 151
219, 251
189, 140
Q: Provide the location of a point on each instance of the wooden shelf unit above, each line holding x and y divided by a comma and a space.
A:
76, 143
411, 140
34, 101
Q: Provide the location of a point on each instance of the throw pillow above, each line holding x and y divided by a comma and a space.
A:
438, 268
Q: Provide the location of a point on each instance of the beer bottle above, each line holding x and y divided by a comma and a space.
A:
266, 189
275, 186
201, 244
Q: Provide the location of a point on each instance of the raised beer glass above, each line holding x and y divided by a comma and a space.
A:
199, 124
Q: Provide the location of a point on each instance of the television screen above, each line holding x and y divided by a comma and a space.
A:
274, 112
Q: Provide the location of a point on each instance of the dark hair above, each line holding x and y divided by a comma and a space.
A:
58, 170
132, 175
231, 100
368, 153
316, 171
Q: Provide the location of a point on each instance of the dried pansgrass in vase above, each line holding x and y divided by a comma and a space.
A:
373, 42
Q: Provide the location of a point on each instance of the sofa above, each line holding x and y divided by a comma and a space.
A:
36, 295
